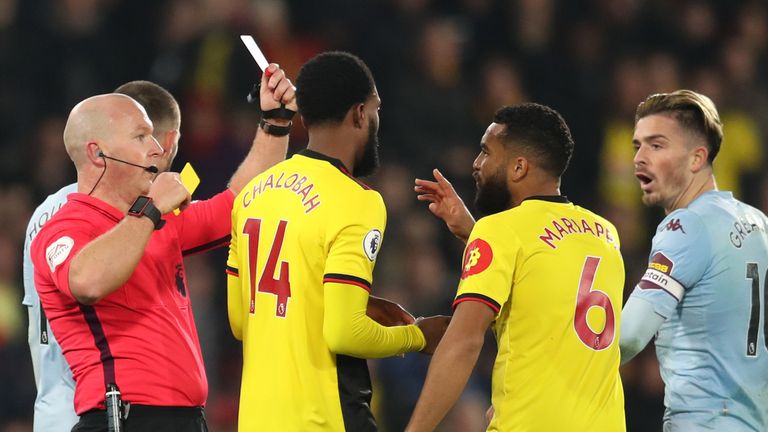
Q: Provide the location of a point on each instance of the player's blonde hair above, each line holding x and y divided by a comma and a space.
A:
694, 111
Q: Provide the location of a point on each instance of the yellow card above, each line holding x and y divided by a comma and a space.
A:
189, 179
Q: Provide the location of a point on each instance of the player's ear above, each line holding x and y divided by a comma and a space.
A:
517, 168
170, 142
358, 115
700, 158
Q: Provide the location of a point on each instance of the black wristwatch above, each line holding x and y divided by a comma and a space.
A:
275, 130
143, 207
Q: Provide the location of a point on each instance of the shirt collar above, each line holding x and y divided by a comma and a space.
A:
333, 161
562, 199
97, 204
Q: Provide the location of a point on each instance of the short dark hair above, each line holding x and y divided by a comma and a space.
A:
331, 83
160, 105
540, 131
693, 111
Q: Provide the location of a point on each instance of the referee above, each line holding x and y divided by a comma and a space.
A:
109, 265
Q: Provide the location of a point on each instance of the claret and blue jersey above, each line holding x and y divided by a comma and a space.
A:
707, 274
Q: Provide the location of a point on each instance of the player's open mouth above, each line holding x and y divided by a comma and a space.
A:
645, 181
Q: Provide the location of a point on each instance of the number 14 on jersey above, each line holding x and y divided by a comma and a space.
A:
280, 287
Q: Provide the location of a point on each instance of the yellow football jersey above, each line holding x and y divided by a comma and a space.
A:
301, 228
553, 274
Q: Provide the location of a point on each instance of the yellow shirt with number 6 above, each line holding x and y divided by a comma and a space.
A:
553, 274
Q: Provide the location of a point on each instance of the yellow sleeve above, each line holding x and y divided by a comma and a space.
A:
356, 236
348, 271
348, 330
487, 270
235, 308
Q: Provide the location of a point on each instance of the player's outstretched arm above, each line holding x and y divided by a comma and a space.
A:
433, 328
451, 365
267, 150
639, 322
348, 330
446, 204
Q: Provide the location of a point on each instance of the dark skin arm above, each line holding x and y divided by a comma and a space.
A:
451, 365
388, 313
446, 204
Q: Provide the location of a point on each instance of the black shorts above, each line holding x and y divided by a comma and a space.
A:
143, 418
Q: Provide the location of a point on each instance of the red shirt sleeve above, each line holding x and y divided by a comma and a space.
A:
205, 224
52, 254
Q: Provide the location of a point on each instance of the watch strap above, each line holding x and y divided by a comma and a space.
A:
143, 206
274, 130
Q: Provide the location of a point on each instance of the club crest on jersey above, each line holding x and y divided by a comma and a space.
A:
477, 258
674, 225
372, 244
58, 251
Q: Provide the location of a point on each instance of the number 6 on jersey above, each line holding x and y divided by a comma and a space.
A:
280, 287
588, 298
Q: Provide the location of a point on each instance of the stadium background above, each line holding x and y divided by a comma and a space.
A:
442, 68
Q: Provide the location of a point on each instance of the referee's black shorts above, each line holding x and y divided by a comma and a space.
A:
143, 418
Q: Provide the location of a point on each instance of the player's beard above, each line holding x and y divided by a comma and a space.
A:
667, 190
492, 195
370, 160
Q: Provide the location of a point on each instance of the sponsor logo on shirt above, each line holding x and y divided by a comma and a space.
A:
674, 225
58, 251
659, 266
372, 244
657, 276
477, 258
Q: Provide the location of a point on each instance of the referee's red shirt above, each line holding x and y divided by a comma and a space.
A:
143, 335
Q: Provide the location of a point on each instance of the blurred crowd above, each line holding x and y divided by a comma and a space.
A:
442, 68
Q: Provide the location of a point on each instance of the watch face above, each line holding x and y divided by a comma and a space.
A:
139, 205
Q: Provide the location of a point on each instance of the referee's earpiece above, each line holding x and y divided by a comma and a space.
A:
100, 154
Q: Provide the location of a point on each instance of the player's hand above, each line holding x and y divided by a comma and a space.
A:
433, 328
276, 89
168, 193
446, 204
388, 313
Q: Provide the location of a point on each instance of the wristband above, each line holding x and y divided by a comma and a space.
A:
274, 130
143, 207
